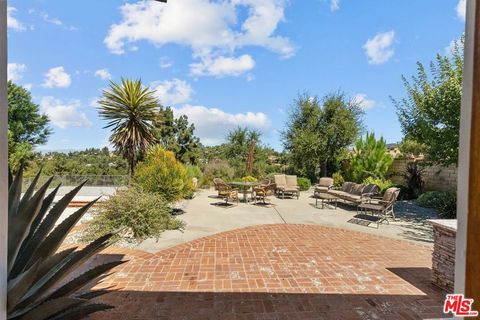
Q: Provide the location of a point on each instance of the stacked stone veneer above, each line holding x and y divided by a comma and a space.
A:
443, 257
436, 178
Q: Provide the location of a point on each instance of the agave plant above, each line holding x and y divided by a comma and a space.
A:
43, 282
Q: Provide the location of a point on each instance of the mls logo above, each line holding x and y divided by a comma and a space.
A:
459, 306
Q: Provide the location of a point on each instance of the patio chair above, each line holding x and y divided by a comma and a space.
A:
216, 183
324, 184
262, 191
383, 207
287, 185
226, 191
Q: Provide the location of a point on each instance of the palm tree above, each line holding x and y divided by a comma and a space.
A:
130, 110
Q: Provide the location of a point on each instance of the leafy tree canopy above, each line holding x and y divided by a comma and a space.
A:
177, 135
319, 131
25, 122
430, 112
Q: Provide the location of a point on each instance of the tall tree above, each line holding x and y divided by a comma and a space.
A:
430, 113
177, 135
319, 131
27, 127
130, 109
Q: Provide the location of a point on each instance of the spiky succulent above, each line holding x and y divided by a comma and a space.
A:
42, 281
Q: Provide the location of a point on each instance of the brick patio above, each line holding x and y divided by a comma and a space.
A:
276, 272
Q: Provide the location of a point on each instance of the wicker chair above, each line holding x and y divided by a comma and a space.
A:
262, 191
225, 191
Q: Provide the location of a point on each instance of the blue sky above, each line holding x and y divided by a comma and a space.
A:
223, 63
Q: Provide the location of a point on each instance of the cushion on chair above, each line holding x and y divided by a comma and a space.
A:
347, 187
325, 182
280, 180
291, 181
357, 189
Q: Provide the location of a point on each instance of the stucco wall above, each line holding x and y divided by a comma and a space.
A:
436, 178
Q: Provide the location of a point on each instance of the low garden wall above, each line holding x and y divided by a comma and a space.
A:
436, 178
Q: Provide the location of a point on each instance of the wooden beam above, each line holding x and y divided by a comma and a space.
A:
472, 274
3, 160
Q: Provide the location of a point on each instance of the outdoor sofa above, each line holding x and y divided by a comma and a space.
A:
355, 193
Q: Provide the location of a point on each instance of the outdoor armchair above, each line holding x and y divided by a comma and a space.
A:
383, 207
226, 191
262, 191
324, 184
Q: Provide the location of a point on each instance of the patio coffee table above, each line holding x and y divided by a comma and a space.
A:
326, 199
244, 187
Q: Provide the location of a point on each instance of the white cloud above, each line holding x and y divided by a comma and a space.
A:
15, 71
165, 63
363, 102
461, 9
174, 91
223, 66
334, 5
12, 22
210, 28
379, 48
212, 125
57, 77
64, 115
450, 49
103, 74
57, 22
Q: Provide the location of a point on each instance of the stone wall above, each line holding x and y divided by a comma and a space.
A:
436, 178
443, 256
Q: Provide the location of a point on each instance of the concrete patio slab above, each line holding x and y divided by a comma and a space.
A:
203, 218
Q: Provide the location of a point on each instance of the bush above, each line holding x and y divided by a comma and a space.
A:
338, 180
161, 173
414, 178
133, 213
216, 168
444, 202
370, 159
304, 184
381, 183
249, 179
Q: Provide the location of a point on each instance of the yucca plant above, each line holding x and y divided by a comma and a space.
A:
42, 281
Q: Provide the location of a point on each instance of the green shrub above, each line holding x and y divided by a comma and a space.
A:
304, 184
370, 159
216, 168
161, 173
381, 183
194, 171
444, 202
133, 213
338, 180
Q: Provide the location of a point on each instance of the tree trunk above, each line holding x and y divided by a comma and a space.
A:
131, 169
323, 169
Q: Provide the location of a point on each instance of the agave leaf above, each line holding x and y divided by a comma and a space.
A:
10, 177
31, 188
19, 224
61, 271
18, 286
52, 308
51, 262
52, 242
82, 311
14, 193
96, 293
23, 256
84, 279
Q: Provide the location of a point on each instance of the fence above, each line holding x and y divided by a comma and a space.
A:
69, 181
436, 178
